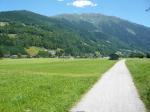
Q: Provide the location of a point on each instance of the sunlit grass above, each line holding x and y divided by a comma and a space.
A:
140, 69
46, 85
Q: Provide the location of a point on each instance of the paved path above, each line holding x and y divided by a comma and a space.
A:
114, 92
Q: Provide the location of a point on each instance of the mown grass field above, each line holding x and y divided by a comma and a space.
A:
140, 69
46, 85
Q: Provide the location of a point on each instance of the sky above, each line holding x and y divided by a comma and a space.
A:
132, 10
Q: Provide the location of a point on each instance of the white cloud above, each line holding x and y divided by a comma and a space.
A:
82, 3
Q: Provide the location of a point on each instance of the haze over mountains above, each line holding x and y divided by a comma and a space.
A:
76, 34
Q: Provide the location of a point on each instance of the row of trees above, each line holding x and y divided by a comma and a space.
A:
139, 55
36, 52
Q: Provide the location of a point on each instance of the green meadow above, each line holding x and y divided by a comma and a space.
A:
140, 69
47, 85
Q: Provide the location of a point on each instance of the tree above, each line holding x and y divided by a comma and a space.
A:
1, 53
113, 57
147, 55
136, 55
59, 52
97, 54
119, 54
32, 51
19, 55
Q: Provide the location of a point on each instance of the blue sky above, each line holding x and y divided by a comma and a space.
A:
132, 10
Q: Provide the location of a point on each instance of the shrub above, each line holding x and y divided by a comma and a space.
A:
44, 54
113, 57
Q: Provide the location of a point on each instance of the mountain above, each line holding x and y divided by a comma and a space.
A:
130, 34
75, 34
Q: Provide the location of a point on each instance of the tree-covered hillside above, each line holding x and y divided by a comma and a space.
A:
131, 34
76, 35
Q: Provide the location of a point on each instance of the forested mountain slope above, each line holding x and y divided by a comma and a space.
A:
75, 34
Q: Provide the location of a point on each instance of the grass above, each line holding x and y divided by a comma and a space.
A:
140, 69
46, 85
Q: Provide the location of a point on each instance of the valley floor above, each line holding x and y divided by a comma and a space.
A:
47, 85
55, 85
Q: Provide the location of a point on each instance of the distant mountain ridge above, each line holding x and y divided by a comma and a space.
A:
76, 34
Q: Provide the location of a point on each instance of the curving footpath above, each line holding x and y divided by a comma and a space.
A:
114, 92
